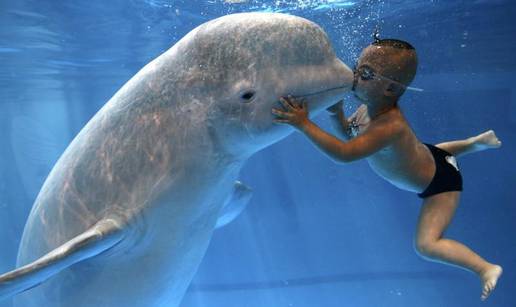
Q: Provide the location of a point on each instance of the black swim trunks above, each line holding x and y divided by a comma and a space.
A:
447, 175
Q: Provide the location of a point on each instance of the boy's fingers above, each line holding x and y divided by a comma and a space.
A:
286, 103
281, 113
281, 121
303, 103
295, 103
298, 104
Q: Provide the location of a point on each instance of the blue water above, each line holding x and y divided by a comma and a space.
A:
315, 233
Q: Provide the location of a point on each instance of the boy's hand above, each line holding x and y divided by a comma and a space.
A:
336, 108
294, 112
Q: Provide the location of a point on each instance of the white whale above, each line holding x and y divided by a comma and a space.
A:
126, 214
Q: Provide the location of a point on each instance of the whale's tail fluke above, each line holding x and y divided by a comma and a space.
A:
97, 239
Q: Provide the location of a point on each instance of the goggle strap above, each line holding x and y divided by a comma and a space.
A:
415, 89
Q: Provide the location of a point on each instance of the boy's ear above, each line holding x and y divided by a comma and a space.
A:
393, 90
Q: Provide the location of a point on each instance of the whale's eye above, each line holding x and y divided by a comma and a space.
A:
248, 96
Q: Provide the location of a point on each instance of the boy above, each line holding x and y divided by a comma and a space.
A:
379, 132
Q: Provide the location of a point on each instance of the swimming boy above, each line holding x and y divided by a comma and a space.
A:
379, 132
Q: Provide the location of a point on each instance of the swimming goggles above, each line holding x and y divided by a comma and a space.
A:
367, 73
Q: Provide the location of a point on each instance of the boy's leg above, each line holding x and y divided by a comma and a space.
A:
480, 142
436, 214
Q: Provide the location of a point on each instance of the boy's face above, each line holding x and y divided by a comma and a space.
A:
367, 88
377, 73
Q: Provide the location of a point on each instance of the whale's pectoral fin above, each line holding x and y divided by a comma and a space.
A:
234, 204
102, 236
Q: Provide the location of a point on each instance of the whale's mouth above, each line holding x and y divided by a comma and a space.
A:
323, 91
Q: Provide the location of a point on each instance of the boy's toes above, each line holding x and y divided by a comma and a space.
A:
497, 142
486, 291
489, 280
488, 139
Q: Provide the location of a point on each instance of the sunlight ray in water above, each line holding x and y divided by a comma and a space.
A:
293, 5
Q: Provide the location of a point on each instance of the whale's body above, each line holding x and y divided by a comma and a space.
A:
127, 212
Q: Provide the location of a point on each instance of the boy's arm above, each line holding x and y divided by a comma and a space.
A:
375, 138
364, 145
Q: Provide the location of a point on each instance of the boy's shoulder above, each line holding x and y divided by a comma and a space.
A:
392, 120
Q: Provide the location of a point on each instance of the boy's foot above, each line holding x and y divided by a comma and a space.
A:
487, 140
489, 279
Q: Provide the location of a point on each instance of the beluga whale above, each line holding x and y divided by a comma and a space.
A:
127, 212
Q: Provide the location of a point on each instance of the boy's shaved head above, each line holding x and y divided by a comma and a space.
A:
396, 59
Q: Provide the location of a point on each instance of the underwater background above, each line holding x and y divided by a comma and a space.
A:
315, 233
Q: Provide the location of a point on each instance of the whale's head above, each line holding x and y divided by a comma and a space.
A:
243, 64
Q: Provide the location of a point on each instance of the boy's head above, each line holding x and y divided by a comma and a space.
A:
384, 70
